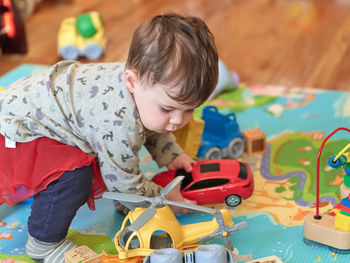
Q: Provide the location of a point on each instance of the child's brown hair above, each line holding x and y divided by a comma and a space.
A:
175, 50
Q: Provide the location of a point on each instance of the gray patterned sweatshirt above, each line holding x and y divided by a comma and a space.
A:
87, 106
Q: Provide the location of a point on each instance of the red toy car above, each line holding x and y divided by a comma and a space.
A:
213, 181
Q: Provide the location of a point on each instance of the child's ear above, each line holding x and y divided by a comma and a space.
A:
131, 80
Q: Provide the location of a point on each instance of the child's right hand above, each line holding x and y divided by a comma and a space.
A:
181, 210
176, 195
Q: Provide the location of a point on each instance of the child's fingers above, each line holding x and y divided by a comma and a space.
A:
178, 210
187, 210
188, 167
188, 201
170, 167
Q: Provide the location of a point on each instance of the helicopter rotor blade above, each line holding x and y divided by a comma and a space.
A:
206, 238
228, 243
143, 219
125, 197
219, 234
223, 232
238, 226
191, 206
170, 186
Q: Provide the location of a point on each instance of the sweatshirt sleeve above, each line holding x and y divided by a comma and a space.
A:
162, 147
119, 161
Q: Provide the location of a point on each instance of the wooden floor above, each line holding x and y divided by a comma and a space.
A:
281, 42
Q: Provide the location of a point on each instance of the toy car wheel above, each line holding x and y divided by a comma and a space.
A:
213, 153
236, 148
69, 52
233, 200
93, 51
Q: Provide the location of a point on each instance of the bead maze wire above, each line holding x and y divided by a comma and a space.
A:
317, 216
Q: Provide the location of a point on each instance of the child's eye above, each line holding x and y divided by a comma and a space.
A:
165, 109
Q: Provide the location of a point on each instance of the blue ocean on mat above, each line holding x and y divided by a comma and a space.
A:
20, 72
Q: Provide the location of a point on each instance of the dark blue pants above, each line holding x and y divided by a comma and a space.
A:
54, 208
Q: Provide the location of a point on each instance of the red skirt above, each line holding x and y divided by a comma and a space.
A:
31, 166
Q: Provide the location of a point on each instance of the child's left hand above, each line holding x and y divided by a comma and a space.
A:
183, 161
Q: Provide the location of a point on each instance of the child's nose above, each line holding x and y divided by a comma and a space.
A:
177, 118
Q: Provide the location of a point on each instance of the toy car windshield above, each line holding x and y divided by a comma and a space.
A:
187, 180
243, 171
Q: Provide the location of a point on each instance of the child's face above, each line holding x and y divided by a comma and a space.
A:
158, 112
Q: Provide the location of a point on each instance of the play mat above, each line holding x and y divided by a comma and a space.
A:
295, 121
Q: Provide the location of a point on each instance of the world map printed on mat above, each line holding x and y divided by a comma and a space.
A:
295, 121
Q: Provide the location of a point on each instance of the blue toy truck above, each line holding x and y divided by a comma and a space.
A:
221, 135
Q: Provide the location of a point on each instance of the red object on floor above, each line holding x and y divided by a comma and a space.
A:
31, 166
12, 31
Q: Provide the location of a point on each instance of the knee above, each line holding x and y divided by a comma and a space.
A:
77, 184
84, 178
54, 208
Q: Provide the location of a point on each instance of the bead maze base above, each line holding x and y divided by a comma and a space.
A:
324, 232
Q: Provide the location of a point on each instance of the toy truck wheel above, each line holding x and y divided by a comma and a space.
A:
213, 153
211, 253
233, 200
69, 52
93, 51
236, 148
169, 255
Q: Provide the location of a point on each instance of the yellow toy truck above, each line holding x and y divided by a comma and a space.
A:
82, 36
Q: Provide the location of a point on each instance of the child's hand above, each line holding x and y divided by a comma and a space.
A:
183, 161
176, 195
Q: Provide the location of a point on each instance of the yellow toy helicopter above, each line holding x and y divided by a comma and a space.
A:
154, 225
